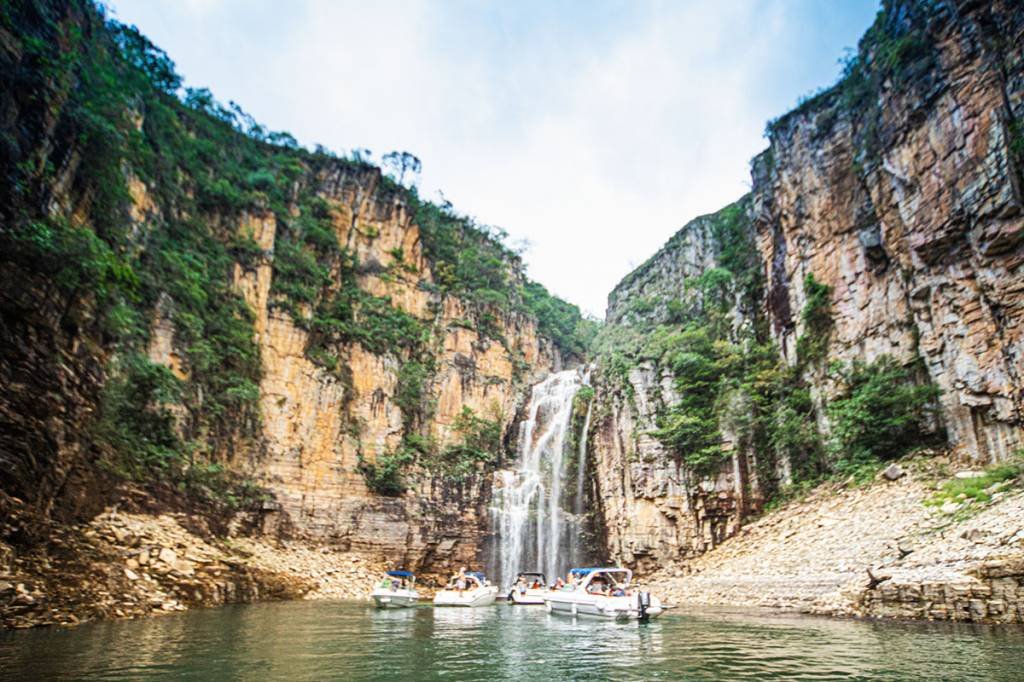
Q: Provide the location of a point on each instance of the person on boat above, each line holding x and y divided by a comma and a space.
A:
559, 584
460, 580
521, 584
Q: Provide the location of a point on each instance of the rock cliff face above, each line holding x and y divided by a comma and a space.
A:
899, 189
654, 509
318, 429
908, 204
192, 302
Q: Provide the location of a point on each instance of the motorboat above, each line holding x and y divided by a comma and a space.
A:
476, 591
604, 592
529, 588
397, 590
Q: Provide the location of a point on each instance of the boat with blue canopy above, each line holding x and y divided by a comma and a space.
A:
396, 590
604, 592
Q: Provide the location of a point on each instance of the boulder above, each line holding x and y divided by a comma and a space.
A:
168, 556
893, 472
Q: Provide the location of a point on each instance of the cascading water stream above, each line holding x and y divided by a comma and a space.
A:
538, 530
578, 507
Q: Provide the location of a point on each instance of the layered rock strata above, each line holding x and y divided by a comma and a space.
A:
900, 190
910, 207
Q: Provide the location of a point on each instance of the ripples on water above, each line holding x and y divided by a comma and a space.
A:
325, 640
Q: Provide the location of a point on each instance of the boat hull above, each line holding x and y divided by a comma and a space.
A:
528, 598
394, 599
598, 606
482, 596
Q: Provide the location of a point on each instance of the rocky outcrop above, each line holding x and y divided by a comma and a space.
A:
652, 508
192, 302
908, 204
644, 294
126, 565
899, 189
319, 428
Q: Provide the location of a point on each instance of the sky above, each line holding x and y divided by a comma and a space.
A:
590, 130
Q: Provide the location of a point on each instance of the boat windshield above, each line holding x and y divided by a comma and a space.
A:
599, 579
532, 579
469, 582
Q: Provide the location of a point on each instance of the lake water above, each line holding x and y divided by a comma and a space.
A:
348, 641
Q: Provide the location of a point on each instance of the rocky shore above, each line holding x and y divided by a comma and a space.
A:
128, 565
875, 551
894, 548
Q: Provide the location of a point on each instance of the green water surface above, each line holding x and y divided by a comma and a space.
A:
349, 641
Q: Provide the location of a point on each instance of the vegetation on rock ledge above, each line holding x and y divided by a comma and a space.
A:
133, 207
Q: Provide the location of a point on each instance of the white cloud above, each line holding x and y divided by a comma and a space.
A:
593, 131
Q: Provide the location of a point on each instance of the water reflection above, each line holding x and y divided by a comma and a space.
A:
324, 640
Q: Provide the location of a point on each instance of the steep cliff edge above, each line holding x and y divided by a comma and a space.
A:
285, 340
900, 189
864, 300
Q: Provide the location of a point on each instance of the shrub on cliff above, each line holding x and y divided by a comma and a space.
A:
479, 443
883, 413
812, 345
690, 427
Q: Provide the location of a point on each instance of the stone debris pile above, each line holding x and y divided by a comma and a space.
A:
876, 551
127, 565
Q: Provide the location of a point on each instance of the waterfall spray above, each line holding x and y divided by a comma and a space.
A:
535, 528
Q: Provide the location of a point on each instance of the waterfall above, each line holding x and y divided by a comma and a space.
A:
536, 519
581, 474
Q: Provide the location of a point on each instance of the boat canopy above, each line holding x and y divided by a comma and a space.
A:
400, 574
477, 574
590, 574
532, 573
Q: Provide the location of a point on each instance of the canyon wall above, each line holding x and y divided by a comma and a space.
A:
907, 202
318, 429
653, 507
898, 189
198, 306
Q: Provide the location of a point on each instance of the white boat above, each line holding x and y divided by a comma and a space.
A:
397, 591
478, 592
529, 588
604, 593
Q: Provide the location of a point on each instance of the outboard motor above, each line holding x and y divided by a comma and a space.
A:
643, 602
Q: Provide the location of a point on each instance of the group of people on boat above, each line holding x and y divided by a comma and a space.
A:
600, 585
392, 582
600, 591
